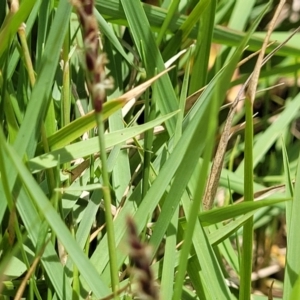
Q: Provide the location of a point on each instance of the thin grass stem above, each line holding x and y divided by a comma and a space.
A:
246, 259
107, 206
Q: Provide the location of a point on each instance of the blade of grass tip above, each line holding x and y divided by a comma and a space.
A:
42, 27
221, 214
26, 54
246, 259
14, 59
223, 9
189, 23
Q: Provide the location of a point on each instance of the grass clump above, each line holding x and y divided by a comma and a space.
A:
140, 158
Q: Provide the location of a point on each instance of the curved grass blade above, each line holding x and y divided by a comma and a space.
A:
217, 215
55, 222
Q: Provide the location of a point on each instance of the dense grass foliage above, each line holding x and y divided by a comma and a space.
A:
183, 184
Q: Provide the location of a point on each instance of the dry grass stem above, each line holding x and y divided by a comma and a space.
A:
213, 180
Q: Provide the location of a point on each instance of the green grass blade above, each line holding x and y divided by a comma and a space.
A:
170, 15
217, 215
51, 173
55, 222
187, 148
222, 35
212, 111
109, 33
181, 34
202, 52
140, 29
170, 248
33, 223
75, 129
292, 268
247, 247
37, 107
91, 146
289, 187
240, 14
11, 25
